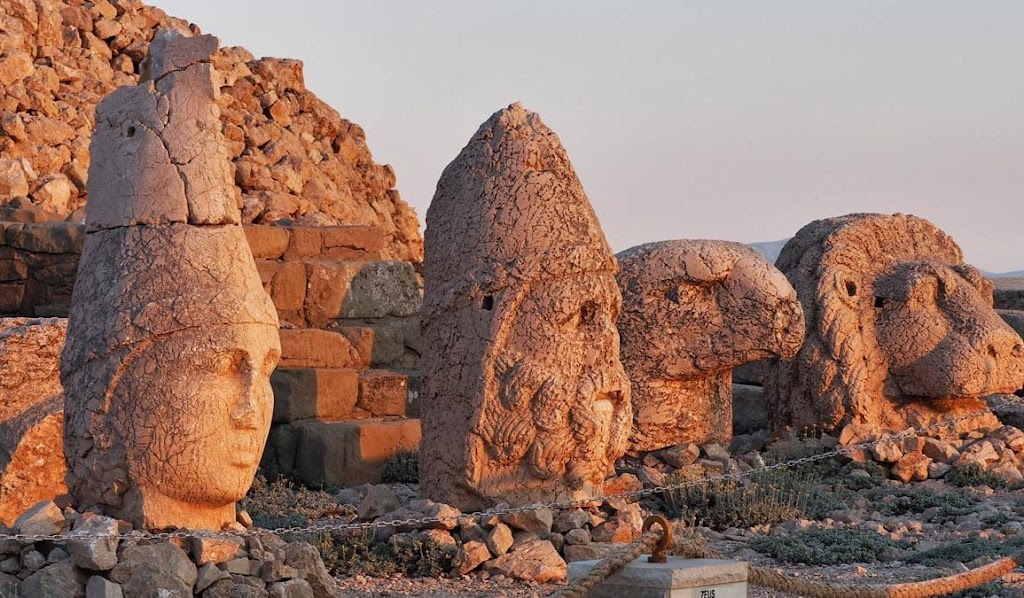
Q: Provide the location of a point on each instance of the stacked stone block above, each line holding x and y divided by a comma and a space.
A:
349, 338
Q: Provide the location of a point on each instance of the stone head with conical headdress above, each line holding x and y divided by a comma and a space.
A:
524, 396
171, 337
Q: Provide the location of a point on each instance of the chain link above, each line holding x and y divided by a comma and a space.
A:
329, 526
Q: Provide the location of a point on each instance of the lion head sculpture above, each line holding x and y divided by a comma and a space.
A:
900, 332
692, 310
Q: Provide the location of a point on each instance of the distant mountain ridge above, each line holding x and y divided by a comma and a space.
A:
771, 249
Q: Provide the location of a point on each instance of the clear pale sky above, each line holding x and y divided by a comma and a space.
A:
702, 119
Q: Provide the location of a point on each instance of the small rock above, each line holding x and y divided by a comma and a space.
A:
471, 555
499, 539
241, 566
940, 450
99, 587
1007, 471
570, 520
144, 570
271, 571
887, 451
44, 519
94, 554
577, 537
56, 555
244, 518
858, 433
1012, 437
33, 560
208, 575
532, 561
293, 588
681, 455
982, 452
306, 559
536, 521
716, 452
937, 469
378, 501
213, 549
911, 467
62, 579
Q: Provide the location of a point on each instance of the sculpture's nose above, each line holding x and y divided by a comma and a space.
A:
245, 414
1002, 343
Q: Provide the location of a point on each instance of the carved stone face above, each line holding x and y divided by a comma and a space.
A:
901, 332
578, 394
204, 442
936, 326
693, 310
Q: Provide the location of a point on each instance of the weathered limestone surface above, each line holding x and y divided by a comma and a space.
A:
900, 333
691, 311
292, 157
171, 337
524, 398
31, 414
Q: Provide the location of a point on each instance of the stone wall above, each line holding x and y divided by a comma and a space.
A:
294, 158
349, 337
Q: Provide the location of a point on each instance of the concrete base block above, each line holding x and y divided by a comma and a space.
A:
678, 578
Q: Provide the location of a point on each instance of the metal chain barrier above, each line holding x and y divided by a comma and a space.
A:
329, 526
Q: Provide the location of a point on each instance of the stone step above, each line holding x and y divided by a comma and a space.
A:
303, 393
335, 394
302, 242
312, 348
337, 454
315, 292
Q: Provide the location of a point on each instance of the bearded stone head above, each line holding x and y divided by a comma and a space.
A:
900, 331
692, 311
524, 398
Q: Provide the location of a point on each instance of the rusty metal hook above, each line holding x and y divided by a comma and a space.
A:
658, 552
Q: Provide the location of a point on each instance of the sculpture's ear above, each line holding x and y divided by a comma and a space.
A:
977, 279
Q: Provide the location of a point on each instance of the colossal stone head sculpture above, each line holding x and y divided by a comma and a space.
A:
171, 338
900, 331
691, 311
524, 398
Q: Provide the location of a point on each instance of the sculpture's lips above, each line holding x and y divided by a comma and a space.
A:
245, 449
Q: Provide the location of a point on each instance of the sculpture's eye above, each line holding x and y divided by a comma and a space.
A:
851, 288
588, 313
685, 294
879, 302
487, 303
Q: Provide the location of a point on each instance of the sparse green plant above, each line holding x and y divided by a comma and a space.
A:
973, 474
996, 520
830, 547
283, 504
903, 500
358, 553
402, 467
965, 551
765, 497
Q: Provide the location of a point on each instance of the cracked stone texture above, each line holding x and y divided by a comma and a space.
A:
171, 337
293, 157
691, 311
524, 398
31, 414
900, 332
